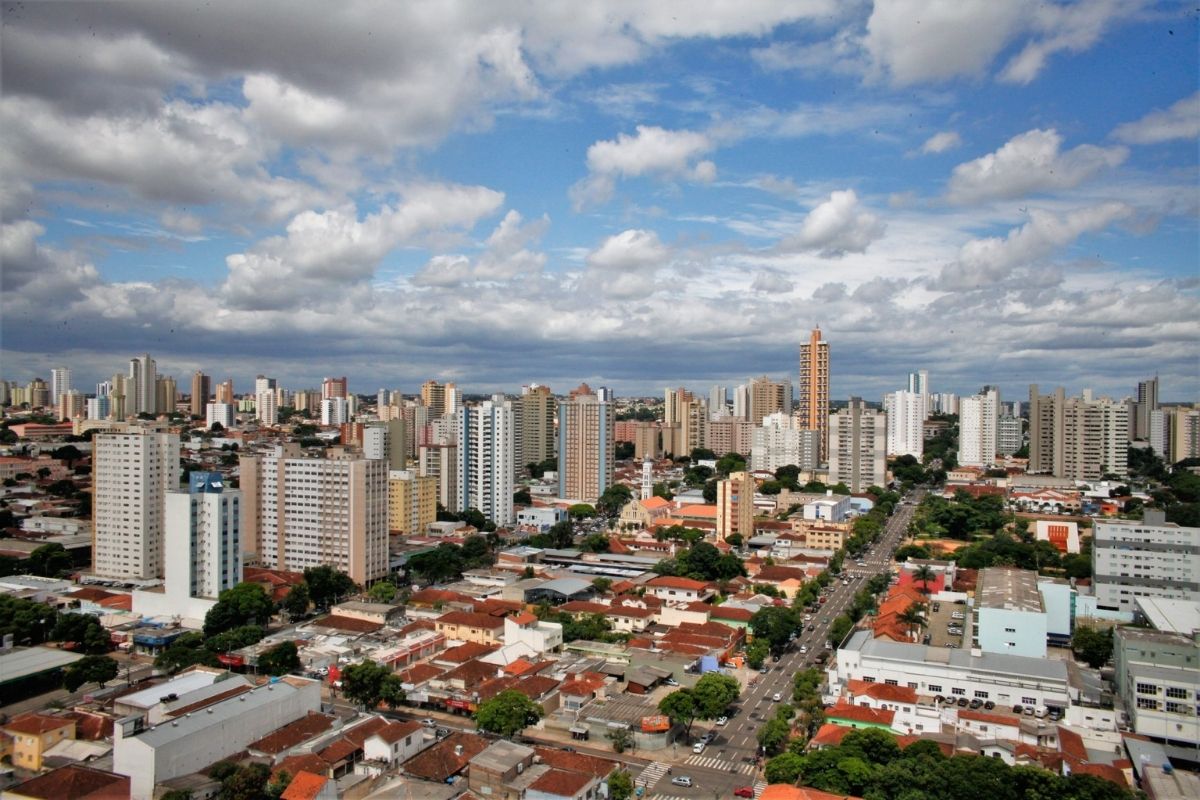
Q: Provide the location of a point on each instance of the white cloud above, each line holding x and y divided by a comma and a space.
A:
836, 227
982, 262
1029, 163
629, 250
651, 151
771, 283
34, 274
1180, 121
941, 142
505, 256
1064, 28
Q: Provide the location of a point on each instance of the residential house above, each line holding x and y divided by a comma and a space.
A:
34, 734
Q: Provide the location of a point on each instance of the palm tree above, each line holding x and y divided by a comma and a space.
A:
914, 617
923, 575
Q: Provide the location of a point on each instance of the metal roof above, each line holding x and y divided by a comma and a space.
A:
25, 661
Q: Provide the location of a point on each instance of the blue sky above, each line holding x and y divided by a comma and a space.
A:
632, 194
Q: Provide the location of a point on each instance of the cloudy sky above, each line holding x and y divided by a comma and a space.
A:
629, 193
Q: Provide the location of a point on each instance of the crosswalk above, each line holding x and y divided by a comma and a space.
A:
712, 762
651, 774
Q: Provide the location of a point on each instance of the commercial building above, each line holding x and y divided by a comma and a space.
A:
586, 446
485, 459
1156, 679
1009, 616
412, 501
735, 506
858, 447
201, 391
905, 423
812, 400
978, 422
302, 512
1150, 558
131, 475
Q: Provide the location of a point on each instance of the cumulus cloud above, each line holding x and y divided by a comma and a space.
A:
982, 262
1063, 28
34, 274
1180, 121
625, 265
941, 142
651, 151
1029, 163
505, 256
836, 227
771, 283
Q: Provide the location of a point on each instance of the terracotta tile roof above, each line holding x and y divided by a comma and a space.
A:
73, 782
1107, 772
576, 762
1071, 744
395, 731
583, 607
471, 619
991, 719
90, 593
498, 608
292, 734
697, 510
465, 652
347, 624
630, 612
778, 574
860, 714
672, 582
783, 791
524, 618
471, 673
731, 612
439, 762
560, 782
518, 667
430, 597
617, 547
418, 625
35, 724
830, 735
121, 602
305, 786
92, 727
419, 673
883, 691
363, 731
294, 765
340, 750
652, 503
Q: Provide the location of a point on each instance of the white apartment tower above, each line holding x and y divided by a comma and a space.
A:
131, 475
978, 420
858, 446
60, 383
266, 401
203, 556
303, 512
485, 459
778, 442
1147, 558
334, 411
906, 412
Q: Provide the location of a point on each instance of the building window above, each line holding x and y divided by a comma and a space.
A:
891, 682
935, 687
1175, 691
1147, 688
956, 690
1146, 702
1029, 701
912, 685
981, 695
868, 679
1177, 708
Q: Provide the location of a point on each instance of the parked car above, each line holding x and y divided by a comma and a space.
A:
744, 791
803, 648
699, 746
681, 780
722, 720
428, 723
777, 697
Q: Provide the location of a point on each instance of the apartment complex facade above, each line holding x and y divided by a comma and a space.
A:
412, 501
1081, 438
131, 475
485, 459
812, 399
858, 446
1147, 558
586, 446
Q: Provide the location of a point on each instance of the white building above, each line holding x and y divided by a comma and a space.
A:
187, 744
303, 512
779, 443
1150, 558
906, 413
978, 420
1003, 679
334, 411
1063, 534
131, 475
541, 517
1009, 435
98, 407
386, 441
485, 459
526, 629
1157, 680
1009, 616
142, 387
858, 446
60, 383
223, 413
203, 549
266, 401
830, 508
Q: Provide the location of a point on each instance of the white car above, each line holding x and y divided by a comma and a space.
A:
698, 747
722, 721
681, 780
777, 697
803, 648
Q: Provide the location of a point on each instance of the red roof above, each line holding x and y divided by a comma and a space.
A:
465, 652
470, 619
830, 735
672, 582
292, 734
439, 762
38, 724
349, 624
882, 691
862, 714
419, 673
305, 786
991, 719
562, 783
75, 782
576, 762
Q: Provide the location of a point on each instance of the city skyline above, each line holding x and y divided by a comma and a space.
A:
493, 195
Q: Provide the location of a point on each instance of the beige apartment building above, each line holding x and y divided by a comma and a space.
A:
735, 506
412, 501
812, 401
586, 446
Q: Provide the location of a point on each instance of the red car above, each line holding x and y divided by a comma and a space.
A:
744, 791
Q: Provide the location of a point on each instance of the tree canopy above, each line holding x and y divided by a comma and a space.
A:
327, 586
89, 669
1093, 647
370, 684
243, 604
508, 713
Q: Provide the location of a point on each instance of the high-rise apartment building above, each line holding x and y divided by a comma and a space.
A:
906, 415
387, 441
71, 405
1081, 438
812, 401
675, 405
98, 407
201, 391
143, 386
779, 443
334, 411
858, 446
586, 446
768, 397
718, 399
1009, 434
1147, 558
978, 420
440, 398
1147, 403
729, 434
533, 415
1175, 433
334, 387
60, 383
302, 512
166, 394
735, 506
131, 475
440, 462
412, 501
918, 382
223, 413
485, 459
224, 393
203, 556
39, 394
266, 407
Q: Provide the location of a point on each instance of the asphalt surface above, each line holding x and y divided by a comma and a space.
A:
726, 762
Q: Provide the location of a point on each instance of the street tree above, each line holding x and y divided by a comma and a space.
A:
280, 659
89, 669
370, 684
246, 603
774, 735
508, 713
297, 601
382, 592
775, 625
714, 693
620, 786
680, 706
621, 738
326, 585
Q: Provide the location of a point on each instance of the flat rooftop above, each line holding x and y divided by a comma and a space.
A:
1170, 616
1008, 589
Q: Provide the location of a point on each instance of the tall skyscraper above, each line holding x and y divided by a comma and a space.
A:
166, 394
586, 446
60, 383
131, 475
812, 402
533, 415
858, 446
201, 391
905, 422
143, 386
225, 393
440, 398
266, 408
304, 512
485, 459
1147, 403
978, 424
718, 399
